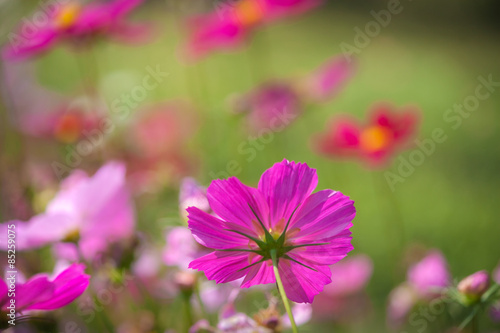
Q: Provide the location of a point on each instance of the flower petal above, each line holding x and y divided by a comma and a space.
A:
224, 266
324, 214
238, 203
301, 283
337, 248
68, 285
285, 186
213, 233
260, 274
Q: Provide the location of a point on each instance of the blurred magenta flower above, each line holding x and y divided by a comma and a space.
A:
385, 133
329, 79
90, 212
306, 231
426, 280
63, 125
229, 26
344, 299
272, 106
78, 24
41, 292
475, 285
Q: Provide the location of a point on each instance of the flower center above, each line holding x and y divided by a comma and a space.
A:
249, 12
67, 15
72, 237
68, 128
375, 138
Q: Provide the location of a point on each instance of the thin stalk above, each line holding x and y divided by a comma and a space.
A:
188, 314
282, 291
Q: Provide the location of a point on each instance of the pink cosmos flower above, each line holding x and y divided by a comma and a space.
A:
91, 212
430, 275
43, 293
385, 133
229, 26
427, 279
78, 24
272, 106
329, 79
307, 231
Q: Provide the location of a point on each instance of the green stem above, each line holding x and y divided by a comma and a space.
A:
282, 291
188, 314
475, 326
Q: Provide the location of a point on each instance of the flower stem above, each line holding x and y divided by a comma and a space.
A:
282, 291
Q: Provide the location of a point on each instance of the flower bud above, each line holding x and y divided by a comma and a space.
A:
475, 285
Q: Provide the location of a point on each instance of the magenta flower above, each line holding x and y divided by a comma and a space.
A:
91, 212
77, 24
385, 133
306, 232
42, 293
327, 81
272, 106
228, 27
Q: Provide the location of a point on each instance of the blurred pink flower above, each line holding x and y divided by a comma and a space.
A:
272, 106
89, 211
41, 292
327, 81
402, 299
229, 27
192, 194
344, 299
426, 280
430, 275
307, 231
385, 133
78, 24
181, 248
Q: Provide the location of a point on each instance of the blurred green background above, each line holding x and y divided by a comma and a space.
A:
430, 55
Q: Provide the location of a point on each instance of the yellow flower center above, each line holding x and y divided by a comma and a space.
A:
375, 138
67, 15
72, 237
249, 12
